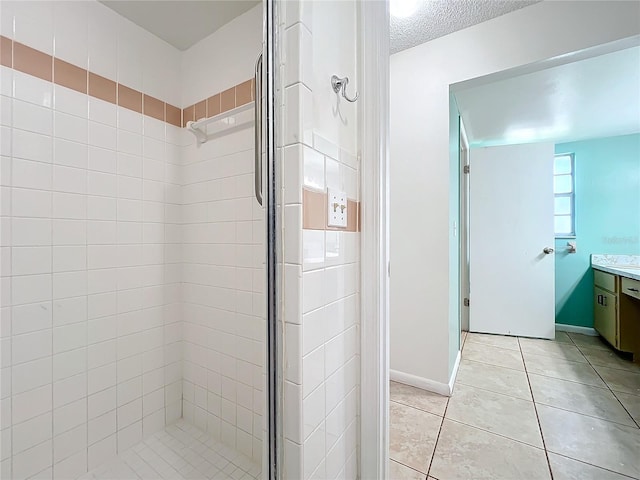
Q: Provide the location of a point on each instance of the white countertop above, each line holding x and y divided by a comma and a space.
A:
629, 272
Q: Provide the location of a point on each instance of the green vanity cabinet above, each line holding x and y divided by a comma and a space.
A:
605, 307
616, 303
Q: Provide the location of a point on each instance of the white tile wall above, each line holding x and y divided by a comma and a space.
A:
120, 238
91, 277
322, 272
223, 292
223, 262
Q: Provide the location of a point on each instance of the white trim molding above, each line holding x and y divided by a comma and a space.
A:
374, 248
454, 372
426, 384
420, 382
561, 327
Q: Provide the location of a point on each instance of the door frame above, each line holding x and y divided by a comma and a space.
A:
464, 230
374, 239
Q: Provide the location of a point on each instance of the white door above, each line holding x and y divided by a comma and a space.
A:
511, 224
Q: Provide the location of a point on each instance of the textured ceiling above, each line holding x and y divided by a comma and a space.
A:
181, 23
436, 18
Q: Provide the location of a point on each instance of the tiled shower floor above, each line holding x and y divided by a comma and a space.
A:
180, 451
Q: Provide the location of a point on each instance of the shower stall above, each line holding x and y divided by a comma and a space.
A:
138, 249
180, 239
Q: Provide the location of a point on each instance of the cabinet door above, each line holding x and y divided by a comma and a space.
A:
605, 318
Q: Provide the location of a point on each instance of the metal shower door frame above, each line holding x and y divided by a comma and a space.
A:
274, 243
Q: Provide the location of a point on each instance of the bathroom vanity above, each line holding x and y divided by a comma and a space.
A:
616, 296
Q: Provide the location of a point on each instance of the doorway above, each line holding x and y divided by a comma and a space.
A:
464, 230
508, 121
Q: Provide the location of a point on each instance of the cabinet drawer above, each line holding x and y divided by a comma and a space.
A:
605, 319
631, 287
604, 280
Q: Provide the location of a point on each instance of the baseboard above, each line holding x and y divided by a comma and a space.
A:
454, 373
561, 327
420, 382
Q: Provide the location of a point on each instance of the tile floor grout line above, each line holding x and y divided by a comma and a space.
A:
614, 394
607, 384
587, 415
614, 368
413, 406
435, 445
483, 344
496, 365
149, 465
492, 391
492, 432
593, 465
586, 362
497, 393
606, 387
408, 466
535, 409
572, 341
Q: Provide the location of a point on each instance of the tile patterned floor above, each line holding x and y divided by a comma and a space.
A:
180, 451
522, 408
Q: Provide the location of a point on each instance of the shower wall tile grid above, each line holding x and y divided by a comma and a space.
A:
223, 262
25, 59
223, 293
91, 313
91, 333
92, 226
321, 279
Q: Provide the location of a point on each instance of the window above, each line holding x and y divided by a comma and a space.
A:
564, 192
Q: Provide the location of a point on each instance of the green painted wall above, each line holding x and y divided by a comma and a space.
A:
607, 177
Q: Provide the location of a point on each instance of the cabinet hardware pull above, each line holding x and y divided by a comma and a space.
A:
604, 300
599, 299
633, 289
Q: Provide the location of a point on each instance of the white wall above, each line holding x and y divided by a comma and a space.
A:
90, 331
225, 58
421, 181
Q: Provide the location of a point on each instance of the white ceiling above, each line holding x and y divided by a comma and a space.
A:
592, 98
181, 23
436, 18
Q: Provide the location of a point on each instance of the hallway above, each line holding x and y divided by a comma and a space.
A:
523, 408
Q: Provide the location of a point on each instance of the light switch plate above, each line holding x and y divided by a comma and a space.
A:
337, 208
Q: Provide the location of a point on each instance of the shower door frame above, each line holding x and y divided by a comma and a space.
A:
374, 135
273, 222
